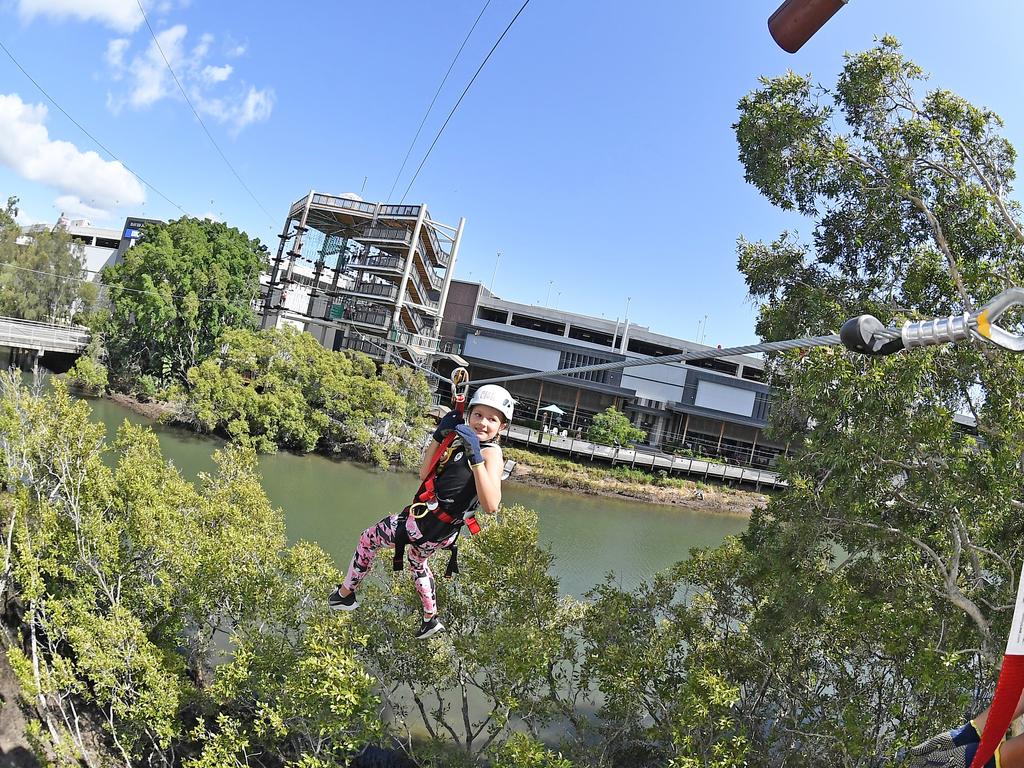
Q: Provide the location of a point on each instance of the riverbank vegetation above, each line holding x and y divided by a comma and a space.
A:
660, 487
180, 329
150, 620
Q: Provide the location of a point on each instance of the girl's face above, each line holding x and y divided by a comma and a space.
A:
485, 421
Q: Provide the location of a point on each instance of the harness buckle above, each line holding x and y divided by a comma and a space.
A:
418, 509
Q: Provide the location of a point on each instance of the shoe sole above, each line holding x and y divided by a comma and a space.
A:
342, 606
431, 632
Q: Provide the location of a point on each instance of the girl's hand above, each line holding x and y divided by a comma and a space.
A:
472, 443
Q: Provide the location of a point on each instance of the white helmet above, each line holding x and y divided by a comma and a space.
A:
496, 397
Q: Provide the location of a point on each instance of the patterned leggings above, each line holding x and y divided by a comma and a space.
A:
381, 535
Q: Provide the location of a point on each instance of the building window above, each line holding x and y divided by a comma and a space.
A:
579, 360
647, 349
753, 374
107, 242
714, 364
537, 324
492, 315
586, 334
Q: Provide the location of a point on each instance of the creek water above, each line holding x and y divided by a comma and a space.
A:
330, 502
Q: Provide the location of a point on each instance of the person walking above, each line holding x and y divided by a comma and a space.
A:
457, 475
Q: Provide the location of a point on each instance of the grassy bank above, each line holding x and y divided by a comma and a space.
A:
659, 487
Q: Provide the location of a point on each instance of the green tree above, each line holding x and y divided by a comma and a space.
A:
89, 375
176, 292
161, 620
9, 218
886, 566
43, 278
281, 388
508, 636
611, 426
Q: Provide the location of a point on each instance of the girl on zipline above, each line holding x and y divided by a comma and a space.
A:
467, 473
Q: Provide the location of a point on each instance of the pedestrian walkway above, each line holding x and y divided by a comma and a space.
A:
639, 458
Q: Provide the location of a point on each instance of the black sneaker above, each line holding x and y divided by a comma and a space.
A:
338, 603
428, 628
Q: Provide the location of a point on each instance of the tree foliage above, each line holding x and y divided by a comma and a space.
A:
9, 218
280, 388
176, 291
160, 620
43, 276
611, 427
877, 586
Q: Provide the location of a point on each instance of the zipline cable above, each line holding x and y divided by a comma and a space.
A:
434, 100
188, 101
464, 92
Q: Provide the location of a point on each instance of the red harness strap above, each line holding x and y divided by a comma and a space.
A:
426, 492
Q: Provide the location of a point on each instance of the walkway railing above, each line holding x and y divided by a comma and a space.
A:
44, 336
637, 457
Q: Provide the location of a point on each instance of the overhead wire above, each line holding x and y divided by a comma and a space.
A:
188, 101
82, 128
461, 97
434, 100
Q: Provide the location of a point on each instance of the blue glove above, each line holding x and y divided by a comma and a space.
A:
450, 421
472, 443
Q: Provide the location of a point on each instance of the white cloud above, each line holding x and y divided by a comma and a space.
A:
122, 15
152, 79
217, 74
115, 55
73, 207
149, 79
28, 150
256, 107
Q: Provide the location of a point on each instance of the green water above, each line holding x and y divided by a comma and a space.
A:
331, 502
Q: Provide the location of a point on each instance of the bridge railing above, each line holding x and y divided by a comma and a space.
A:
15, 332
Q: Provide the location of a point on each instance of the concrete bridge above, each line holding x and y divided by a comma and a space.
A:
30, 342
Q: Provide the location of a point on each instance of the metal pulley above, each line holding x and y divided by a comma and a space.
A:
867, 335
460, 388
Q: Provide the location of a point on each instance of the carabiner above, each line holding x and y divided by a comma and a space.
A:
979, 325
460, 387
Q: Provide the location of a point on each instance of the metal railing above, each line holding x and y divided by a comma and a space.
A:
344, 202
429, 343
385, 290
378, 262
400, 210
399, 234
46, 336
368, 317
640, 458
362, 345
424, 301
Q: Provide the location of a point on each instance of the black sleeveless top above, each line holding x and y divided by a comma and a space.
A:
455, 489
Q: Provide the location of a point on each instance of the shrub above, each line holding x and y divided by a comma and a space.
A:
88, 375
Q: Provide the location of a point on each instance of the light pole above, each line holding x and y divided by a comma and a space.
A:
494, 271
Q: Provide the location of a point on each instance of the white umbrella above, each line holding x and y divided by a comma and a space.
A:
553, 409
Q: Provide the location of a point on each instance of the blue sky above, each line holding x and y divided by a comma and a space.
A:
594, 151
